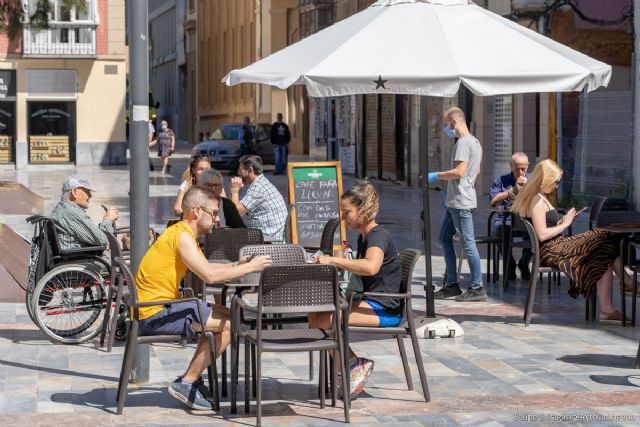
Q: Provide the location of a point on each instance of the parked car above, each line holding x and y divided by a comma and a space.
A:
224, 148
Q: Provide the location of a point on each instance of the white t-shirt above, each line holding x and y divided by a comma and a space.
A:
184, 186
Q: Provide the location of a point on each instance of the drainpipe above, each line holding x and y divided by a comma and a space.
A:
635, 169
258, 88
196, 112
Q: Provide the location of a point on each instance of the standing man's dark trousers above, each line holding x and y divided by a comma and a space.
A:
280, 152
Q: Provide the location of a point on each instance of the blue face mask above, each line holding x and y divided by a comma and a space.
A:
449, 132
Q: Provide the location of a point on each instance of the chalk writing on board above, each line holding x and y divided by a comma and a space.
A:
316, 197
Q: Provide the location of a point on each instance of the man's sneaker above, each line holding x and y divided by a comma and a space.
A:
448, 291
525, 273
191, 394
472, 295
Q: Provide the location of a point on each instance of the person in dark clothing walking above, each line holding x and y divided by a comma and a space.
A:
246, 136
280, 138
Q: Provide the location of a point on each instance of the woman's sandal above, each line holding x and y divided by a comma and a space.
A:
613, 317
628, 286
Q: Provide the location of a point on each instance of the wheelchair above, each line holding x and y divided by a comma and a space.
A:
66, 294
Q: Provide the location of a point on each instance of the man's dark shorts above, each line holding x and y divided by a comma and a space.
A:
176, 319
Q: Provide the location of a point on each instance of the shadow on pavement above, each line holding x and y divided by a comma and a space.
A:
606, 360
157, 397
57, 371
105, 399
23, 335
616, 379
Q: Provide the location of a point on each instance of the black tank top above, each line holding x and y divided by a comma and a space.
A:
552, 217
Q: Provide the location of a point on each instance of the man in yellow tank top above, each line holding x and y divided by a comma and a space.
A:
159, 276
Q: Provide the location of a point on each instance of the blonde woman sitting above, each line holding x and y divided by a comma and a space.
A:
588, 258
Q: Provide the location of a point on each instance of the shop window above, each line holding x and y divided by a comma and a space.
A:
7, 131
51, 132
7, 115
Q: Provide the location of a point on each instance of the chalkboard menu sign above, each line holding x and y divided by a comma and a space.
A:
314, 193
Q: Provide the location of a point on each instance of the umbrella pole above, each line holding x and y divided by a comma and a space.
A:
426, 223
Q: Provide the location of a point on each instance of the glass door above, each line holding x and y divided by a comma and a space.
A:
7, 131
52, 127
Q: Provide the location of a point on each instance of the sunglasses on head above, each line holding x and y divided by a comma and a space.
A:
199, 157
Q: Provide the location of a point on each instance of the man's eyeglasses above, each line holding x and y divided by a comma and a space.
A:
213, 213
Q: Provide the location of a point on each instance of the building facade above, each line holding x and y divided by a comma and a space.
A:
62, 90
227, 34
167, 62
589, 134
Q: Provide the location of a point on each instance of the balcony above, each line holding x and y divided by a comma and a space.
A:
61, 40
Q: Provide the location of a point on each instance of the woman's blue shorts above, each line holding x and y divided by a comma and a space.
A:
386, 320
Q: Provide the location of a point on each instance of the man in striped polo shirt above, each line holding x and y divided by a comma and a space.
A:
74, 227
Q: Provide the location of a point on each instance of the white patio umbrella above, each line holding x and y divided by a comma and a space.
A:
426, 47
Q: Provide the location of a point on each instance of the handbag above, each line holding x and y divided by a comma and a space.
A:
349, 282
351, 285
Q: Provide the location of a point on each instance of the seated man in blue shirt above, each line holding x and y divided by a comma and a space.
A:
503, 191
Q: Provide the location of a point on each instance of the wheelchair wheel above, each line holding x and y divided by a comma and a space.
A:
68, 303
29, 302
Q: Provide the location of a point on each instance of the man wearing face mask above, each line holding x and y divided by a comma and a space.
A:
460, 203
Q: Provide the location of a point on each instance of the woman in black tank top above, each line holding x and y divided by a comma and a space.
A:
589, 258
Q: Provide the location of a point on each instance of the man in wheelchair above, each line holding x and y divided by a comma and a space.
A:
73, 226
69, 266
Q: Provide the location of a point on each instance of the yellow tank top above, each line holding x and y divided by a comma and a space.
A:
161, 269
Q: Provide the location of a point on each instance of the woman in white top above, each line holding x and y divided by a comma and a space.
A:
198, 164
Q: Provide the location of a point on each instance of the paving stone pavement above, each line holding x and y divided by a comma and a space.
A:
560, 370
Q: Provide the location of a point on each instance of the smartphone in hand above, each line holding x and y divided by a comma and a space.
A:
249, 258
312, 259
581, 210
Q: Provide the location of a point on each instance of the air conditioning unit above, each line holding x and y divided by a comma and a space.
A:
500, 7
528, 6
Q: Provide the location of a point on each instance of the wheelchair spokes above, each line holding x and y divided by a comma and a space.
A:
68, 302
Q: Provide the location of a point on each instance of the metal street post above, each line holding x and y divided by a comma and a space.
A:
139, 147
426, 214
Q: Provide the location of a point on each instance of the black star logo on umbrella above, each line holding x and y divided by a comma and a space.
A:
380, 83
